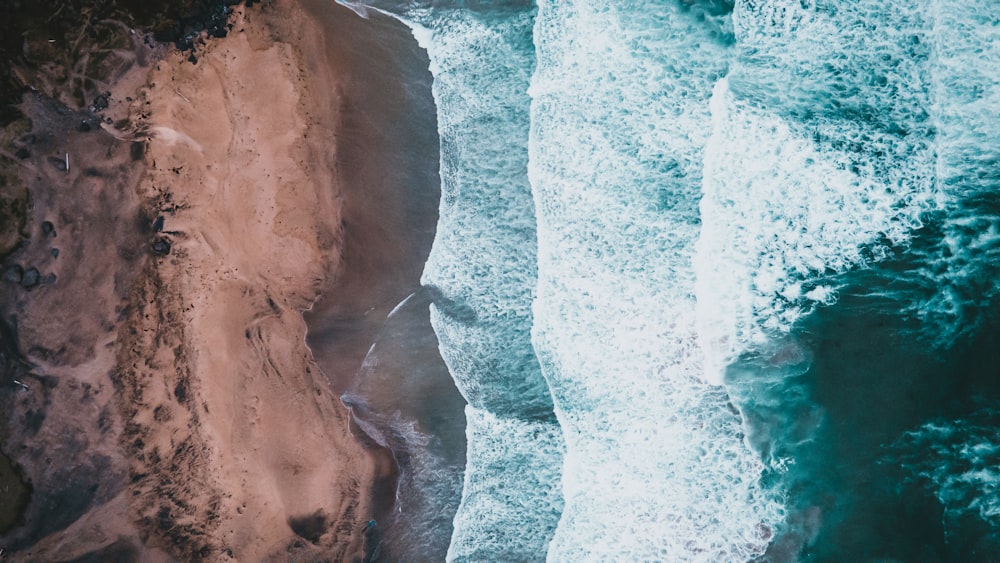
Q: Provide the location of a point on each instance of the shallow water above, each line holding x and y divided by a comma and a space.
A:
370, 332
481, 274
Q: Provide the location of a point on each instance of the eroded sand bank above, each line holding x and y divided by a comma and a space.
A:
170, 353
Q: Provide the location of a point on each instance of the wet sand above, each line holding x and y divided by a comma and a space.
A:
389, 221
172, 408
378, 351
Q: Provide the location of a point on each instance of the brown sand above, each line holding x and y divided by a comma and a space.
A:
176, 393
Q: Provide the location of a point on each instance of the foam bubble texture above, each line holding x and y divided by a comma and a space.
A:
959, 462
960, 273
656, 468
511, 486
482, 271
482, 264
821, 160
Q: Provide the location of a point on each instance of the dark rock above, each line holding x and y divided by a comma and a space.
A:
101, 102
161, 246
158, 224
33, 420
55, 253
48, 229
13, 273
310, 527
85, 127
17, 493
58, 162
180, 391
31, 278
22, 153
164, 520
70, 492
137, 151
48, 279
192, 59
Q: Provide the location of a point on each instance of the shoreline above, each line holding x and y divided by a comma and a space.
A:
371, 332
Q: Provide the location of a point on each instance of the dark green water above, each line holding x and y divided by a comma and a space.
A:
836, 399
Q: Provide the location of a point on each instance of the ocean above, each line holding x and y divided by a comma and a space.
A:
709, 280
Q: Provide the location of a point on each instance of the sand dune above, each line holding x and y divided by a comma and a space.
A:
219, 436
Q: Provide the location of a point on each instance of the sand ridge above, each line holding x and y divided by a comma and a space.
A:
163, 402
238, 448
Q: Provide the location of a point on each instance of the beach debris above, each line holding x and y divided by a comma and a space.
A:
21, 384
67, 163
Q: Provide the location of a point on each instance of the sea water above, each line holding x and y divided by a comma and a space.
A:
718, 279
847, 268
483, 268
656, 467
481, 276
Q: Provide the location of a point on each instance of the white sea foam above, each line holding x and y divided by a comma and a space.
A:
959, 462
358, 8
840, 130
482, 270
656, 467
963, 268
507, 486
838, 134
821, 160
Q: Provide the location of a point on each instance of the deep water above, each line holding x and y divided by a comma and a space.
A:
717, 280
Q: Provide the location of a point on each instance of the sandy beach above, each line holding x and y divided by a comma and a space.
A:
170, 406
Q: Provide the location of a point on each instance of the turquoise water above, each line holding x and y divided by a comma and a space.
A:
718, 280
